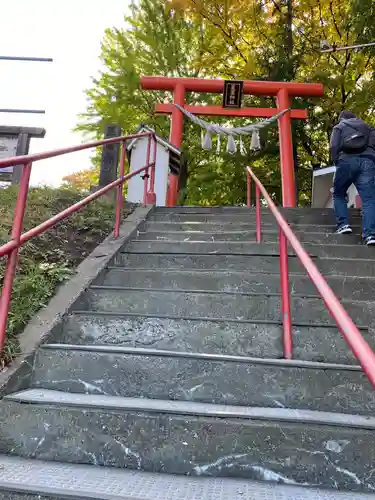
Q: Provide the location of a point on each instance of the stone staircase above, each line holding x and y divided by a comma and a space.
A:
171, 363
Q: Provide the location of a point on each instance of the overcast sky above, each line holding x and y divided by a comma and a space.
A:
70, 32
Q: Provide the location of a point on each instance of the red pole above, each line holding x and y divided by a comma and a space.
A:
151, 197
146, 174
11, 264
361, 349
23, 160
286, 151
7, 248
257, 209
120, 192
177, 125
152, 180
248, 189
285, 296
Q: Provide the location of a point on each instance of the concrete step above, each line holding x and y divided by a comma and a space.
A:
225, 227
244, 209
268, 236
247, 248
179, 334
250, 307
344, 287
295, 446
246, 263
207, 378
237, 338
201, 210
300, 217
23, 479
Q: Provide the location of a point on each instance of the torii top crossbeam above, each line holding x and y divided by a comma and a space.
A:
283, 91
260, 87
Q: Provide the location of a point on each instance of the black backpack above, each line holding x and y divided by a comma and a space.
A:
358, 140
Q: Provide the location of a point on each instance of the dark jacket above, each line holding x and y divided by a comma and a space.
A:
342, 130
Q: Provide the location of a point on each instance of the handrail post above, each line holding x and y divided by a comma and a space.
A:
285, 296
248, 189
360, 347
120, 192
151, 197
146, 174
258, 214
10, 268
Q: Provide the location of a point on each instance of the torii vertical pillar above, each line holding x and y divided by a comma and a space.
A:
286, 151
177, 127
283, 91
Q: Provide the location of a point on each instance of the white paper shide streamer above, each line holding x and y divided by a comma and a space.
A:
255, 141
210, 129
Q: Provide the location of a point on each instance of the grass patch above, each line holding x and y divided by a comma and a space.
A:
48, 260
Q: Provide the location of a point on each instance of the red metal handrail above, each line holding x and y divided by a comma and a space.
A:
361, 349
18, 238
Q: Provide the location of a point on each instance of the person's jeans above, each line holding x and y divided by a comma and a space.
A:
360, 172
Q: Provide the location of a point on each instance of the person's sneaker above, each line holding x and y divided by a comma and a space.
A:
344, 230
370, 241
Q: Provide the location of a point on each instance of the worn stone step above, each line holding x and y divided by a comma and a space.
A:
247, 248
300, 217
26, 479
310, 310
344, 287
268, 236
238, 338
295, 446
193, 335
208, 378
201, 209
222, 227
248, 263
207, 247
241, 208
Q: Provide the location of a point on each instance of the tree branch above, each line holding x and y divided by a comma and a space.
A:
333, 18
364, 69
277, 7
331, 54
225, 33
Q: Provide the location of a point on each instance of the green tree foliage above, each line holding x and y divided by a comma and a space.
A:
83, 180
247, 39
155, 41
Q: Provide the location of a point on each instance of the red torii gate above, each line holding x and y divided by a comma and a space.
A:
283, 91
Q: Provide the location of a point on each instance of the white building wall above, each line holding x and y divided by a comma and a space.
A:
138, 160
322, 189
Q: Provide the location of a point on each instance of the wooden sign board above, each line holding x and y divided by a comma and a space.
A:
233, 91
110, 157
8, 148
